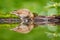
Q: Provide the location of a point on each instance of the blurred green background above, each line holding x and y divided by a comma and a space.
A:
41, 7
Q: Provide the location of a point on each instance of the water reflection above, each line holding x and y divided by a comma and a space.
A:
52, 28
51, 35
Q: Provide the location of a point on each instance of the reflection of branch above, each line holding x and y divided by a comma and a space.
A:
9, 20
